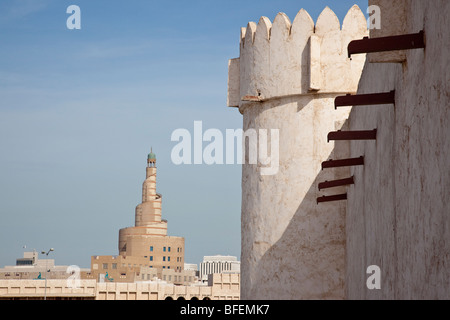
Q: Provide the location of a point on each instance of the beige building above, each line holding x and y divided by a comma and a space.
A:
132, 269
145, 246
31, 267
220, 287
218, 264
150, 266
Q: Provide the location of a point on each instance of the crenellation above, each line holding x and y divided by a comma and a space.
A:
301, 32
327, 23
261, 52
282, 59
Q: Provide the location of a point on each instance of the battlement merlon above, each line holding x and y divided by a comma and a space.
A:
286, 59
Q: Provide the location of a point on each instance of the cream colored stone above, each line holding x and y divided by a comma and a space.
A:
315, 72
292, 248
394, 21
398, 213
233, 97
220, 287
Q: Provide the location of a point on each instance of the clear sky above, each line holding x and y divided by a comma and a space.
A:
80, 109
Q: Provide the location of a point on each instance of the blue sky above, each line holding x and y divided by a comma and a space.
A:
80, 109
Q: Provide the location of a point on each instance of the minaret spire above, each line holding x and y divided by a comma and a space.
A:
151, 159
149, 211
150, 231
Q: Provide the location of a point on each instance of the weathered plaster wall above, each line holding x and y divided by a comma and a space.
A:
398, 211
286, 78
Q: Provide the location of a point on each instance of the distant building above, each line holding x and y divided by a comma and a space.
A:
218, 264
223, 287
31, 267
150, 266
145, 250
191, 266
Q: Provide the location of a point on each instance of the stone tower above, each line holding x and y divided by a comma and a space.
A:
148, 238
286, 78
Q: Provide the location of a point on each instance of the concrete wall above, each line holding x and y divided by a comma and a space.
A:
286, 78
223, 287
36, 289
398, 215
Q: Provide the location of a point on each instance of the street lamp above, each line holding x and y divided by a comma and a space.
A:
46, 269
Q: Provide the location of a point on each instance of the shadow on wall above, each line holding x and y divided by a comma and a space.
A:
308, 260
313, 273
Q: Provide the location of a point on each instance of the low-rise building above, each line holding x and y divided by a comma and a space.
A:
218, 264
221, 287
31, 267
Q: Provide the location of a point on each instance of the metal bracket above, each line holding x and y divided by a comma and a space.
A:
353, 135
392, 43
365, 99
336, 183
343, 163
332, 198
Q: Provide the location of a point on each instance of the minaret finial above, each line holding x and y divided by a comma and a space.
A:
151, 159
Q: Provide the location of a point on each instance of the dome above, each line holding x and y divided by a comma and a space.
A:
151, 155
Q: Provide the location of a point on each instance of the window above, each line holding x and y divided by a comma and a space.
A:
168, 258
164, 249
114, 265
169, 249
164, 258
151, 248
151, 258
105, 266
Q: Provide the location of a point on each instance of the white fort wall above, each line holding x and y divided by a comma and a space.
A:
286, 78
398, 210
